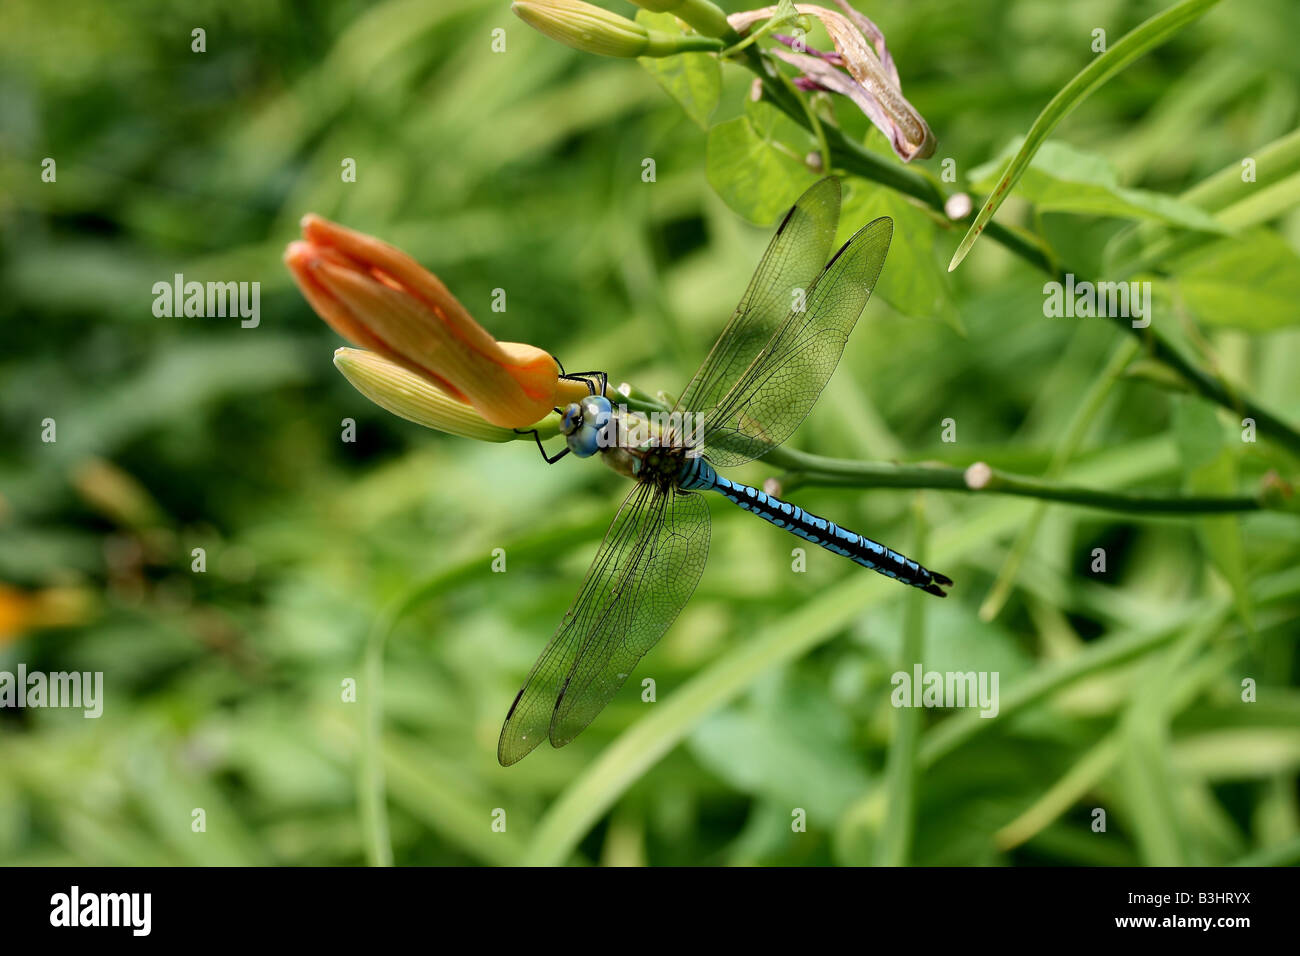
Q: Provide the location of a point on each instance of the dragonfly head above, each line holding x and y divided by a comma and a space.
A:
584, 423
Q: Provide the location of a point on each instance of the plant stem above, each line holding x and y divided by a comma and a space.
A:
816, 125
803, 468
806, 469
858, 160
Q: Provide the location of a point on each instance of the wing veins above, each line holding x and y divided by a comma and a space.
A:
790, 340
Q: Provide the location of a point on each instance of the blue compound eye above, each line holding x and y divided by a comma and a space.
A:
572, 419
596, 410
585, 441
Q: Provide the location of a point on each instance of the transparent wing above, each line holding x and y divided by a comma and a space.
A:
780, 387
792, 261
645, 571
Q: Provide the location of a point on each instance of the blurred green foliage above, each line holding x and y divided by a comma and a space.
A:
522, 170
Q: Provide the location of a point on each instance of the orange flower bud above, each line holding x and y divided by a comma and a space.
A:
379, 298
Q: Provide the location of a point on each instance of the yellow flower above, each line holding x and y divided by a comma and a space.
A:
379, 298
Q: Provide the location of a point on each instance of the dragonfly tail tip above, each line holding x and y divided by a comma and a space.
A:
937, 584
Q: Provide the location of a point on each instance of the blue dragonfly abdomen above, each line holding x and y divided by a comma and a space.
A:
698, 475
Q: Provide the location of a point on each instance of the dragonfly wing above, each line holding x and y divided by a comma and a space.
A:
792, 261
782, 385
645, 571
647, 586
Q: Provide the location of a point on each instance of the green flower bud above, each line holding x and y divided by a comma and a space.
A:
596, 30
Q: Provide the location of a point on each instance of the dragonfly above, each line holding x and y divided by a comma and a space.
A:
757, 384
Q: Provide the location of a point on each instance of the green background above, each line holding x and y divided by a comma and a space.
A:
522, 170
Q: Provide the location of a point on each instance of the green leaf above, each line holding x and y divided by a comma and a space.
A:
1061, 178
694, 80
756, 162
1236, 203
913, 281
1248, 283
790, 744
1211, 469
1143, 38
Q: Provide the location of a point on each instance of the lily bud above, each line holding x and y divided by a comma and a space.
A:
394, 387
381, 299
593, 29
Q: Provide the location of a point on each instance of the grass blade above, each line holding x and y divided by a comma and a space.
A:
1132, 45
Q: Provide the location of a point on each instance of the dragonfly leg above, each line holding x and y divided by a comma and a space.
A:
586, 379
550, 459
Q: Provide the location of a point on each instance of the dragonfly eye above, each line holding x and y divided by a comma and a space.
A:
572, 419
597, 410
584, 441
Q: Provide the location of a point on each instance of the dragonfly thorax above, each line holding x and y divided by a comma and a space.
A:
661, 464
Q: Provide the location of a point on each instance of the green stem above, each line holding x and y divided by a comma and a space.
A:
803, 468
815, 124
806, 469
671, 44
858, 160
753, 37
706, 17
